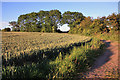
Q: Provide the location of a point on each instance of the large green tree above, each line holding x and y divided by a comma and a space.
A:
72, 18
48, 19
55, 17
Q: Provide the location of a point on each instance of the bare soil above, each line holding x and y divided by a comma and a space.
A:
106, 65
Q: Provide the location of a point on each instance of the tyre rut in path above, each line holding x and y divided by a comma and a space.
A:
104, 63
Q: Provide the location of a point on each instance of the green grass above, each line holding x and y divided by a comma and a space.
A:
112, 36
68, 55
79, 60
109, 36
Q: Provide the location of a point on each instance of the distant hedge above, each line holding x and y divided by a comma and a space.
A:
6, 29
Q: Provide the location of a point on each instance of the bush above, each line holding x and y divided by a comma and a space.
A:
79, 59
7, 30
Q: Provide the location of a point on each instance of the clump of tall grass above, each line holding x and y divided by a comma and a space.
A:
113, 36
79, 60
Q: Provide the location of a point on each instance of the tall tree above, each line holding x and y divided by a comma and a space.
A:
72, 18
48, 19
22, 21
55, 17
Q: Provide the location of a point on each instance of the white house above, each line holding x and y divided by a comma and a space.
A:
63, 28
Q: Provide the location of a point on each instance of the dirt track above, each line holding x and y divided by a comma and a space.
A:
106, 65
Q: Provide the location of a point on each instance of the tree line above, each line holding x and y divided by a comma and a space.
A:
90, 26
45, 21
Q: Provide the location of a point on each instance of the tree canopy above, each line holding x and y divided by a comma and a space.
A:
90, 26
47, 21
